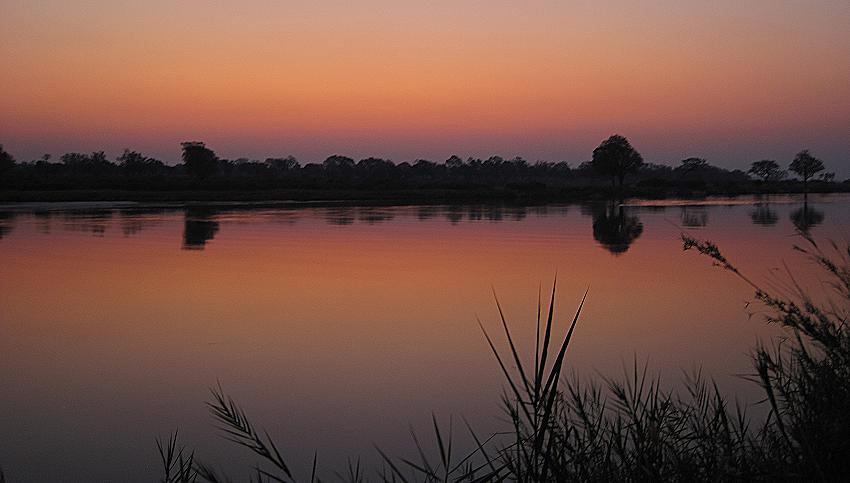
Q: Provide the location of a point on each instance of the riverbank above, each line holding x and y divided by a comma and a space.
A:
535, 194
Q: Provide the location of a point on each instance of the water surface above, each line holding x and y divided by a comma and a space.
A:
338, 327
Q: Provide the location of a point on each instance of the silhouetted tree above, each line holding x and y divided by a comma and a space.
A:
493, 163
517, 163
766, 169
134, 163
43, 166
454, 161
73, 160
474, 164
495, 175
6, 160
375, 166
249, 167
312, 170
827, 177
94, 163
691, 165
806, 166
614, 230
98, 158
425, 169
585, 167
615, 157
338, 164
282, 164
199, 160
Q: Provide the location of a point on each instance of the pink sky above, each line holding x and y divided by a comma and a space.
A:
730, 81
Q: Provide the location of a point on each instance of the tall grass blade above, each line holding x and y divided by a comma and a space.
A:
510, 339
546, 340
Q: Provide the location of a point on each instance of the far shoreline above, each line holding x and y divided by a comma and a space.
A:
321, 197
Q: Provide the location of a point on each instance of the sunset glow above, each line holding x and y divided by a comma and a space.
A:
729, 81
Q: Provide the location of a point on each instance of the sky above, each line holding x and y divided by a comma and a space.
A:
730, 81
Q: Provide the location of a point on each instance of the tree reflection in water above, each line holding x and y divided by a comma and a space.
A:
614, 229
806, 217
694, 216
200, 226
763, 215
6, 223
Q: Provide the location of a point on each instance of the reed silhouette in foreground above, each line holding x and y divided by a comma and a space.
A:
630, 429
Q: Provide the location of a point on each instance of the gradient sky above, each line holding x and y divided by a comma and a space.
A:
732, 81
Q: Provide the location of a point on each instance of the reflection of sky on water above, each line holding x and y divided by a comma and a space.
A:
338, 326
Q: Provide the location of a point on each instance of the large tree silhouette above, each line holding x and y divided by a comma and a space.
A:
806, 166
200, 161
615, 157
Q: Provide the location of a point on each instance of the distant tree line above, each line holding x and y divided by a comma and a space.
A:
616, 166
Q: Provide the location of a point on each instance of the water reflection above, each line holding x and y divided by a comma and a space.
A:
133, 221
806, 217
694, 216
87, 221
258, 302
614, 229
42, 223
341, 216
200, 226
372, 215
426, 212
454, 214
6, 223
615, 226
763, 215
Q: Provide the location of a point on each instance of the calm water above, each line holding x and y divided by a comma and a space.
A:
337, 328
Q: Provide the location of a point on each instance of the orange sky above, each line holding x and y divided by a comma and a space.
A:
731, 81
